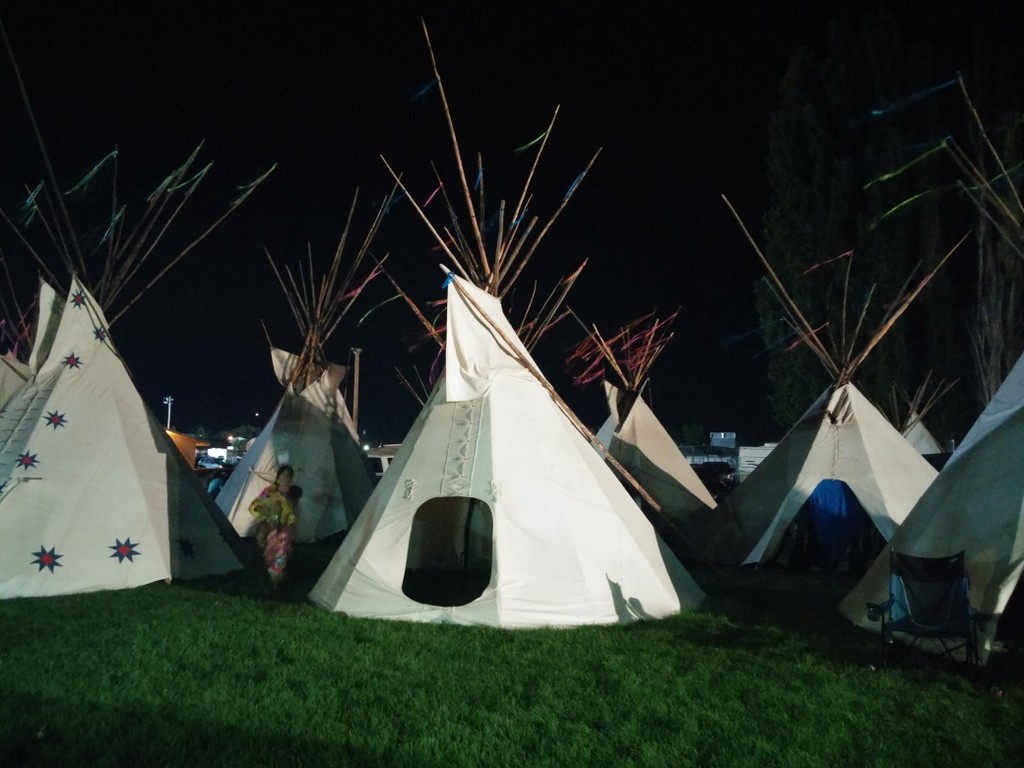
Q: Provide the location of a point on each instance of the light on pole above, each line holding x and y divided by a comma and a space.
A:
167, 401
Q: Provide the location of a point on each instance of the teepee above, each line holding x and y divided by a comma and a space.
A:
975, 504
632, 433
841, 438
843, 464
907, 413
496, 490
93, 494
919, 436
311, 429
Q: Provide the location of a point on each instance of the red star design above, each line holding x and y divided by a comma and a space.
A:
26, 460
55, 419
124, 550
47, 558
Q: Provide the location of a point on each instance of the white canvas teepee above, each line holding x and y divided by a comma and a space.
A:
632, 434
976, 504
908, 411
563, 541
919, 436
842, 445
642, 445
841, 437
93, 494
495, 489
312, 431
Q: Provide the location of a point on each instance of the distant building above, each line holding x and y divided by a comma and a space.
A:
381, 457
748, 457
722, 447
722, 439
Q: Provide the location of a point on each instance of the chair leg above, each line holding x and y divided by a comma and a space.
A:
973, 656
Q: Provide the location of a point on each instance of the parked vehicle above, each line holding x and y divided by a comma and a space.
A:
718, 476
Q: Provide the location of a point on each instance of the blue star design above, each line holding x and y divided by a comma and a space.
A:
28, 460
100, 333
54, 419
73, 361
186, 547
47, 558
78, 299
124, 550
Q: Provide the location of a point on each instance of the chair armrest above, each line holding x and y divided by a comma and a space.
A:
979, 619
876, 611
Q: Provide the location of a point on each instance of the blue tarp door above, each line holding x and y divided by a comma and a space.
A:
836, 518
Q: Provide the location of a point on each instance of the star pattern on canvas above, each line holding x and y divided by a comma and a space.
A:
55, 419
73, 361
78, 299
124, 550
100, 333
187, 547
47, 558
28, 460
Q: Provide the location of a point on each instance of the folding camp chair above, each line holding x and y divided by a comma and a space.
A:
929, 600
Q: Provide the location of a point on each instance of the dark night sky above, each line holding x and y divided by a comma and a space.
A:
677, 97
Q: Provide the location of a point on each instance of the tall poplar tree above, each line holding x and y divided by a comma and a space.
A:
842, 122
995, 146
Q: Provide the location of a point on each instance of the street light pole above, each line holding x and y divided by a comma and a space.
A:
355, 389
167, 401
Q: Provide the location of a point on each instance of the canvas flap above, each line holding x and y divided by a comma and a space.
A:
51, 306
332, 377
284, 365
481, 344
1008, 399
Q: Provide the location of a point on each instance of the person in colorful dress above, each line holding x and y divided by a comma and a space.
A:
274, 508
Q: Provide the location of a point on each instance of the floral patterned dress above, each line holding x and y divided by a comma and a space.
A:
275, 532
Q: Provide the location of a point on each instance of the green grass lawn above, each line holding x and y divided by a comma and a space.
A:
224, 673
